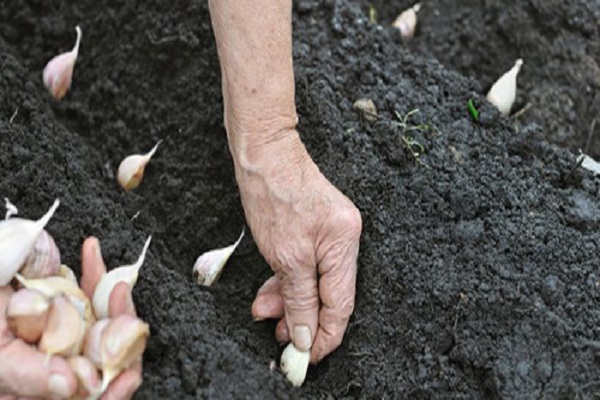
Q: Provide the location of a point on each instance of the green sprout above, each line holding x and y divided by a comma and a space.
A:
372, 14
473, 110
410, 143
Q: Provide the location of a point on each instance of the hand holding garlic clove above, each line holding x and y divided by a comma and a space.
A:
47, 322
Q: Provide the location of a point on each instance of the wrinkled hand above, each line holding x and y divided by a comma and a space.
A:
23, 369
308, 232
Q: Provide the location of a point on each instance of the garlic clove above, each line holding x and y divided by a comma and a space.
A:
65, 330
68, 274
367, 107
123, 343
504, 91
27, 313
126, 273
209, 266
17, 239
589, 163
44, 260
92, 342
54, 286
406, 22
87, 375
294, 364
11, 209
131, 169
58, 73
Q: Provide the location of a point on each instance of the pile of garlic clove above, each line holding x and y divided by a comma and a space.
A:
50, 311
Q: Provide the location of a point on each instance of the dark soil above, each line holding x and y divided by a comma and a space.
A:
479, 266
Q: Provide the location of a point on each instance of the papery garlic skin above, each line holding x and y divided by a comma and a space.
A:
209, 266
294, 364
58, 72
123, 343
67, 273
27, 314
93, 341
54, 286
504, 91
126, 273
131, 169
17, 239
11, 209
44, 260
406, 22
65, 330
87, 375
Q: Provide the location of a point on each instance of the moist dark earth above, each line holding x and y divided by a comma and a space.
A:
479, 270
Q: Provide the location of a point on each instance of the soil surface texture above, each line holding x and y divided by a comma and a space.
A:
479, 270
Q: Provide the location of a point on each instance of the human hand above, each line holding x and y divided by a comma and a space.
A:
23, 369
308, 232
120, 302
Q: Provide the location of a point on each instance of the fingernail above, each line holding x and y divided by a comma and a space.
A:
97, 249
302, 337
59, 386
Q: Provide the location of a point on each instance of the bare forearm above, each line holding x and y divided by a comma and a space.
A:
254, 42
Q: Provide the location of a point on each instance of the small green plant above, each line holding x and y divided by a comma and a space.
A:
414, 147
473, 110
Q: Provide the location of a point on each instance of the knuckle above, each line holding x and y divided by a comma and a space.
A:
351, 219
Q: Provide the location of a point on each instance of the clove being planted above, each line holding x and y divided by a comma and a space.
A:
18, 237
131, 170
27, 313
294, 364
504, 91
58, 73
209, 266
126, 273
406, 22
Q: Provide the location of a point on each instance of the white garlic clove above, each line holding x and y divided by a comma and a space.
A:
68, 274
27, 313
209, 266
11, 209
88, 378
406, 22
589, 163
126, 273
54, 286
65, 330
17, 239
504, 91
58, 73
93, 340
123, 343
44, 260
294, 364
131, 169
367, 107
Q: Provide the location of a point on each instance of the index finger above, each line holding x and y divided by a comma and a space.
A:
92, 265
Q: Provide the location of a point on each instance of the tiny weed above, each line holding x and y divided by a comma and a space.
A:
414, 147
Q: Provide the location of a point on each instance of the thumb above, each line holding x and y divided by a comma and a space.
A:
24, 372
301, 304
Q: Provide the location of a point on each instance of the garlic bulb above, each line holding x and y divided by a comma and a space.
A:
65, 330
504, 91
123, 343
17, 239
87, 375
44, 260
294, 364
209, 266
131, 169
126, 273
11, 209
27, 313
93, 340
68, 274
54, 286
58, 72
406, 22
